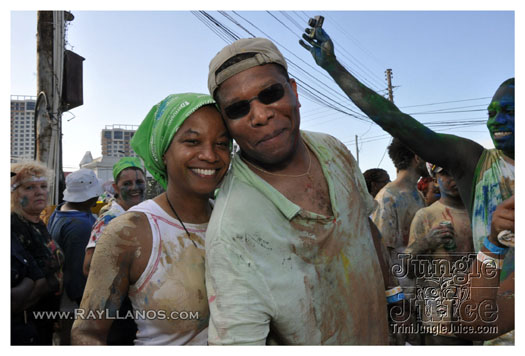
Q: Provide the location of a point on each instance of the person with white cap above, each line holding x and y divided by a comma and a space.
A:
129, 190
441, 234
70, 226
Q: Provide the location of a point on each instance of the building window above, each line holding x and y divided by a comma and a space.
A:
117, 135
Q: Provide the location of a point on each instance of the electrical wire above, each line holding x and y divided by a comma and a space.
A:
327, 97
361, 78
308, 88
445, 102
225, 14
444, 112
358, 45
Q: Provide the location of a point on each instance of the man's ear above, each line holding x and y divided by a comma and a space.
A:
293, 84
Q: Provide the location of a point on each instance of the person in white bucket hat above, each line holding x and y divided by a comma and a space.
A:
81, 186
70, 226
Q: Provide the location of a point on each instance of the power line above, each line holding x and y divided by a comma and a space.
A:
443, 125
357, 42
384, 153
444, 102
309, 91
293, 64
371, 79
443, 112
457, 107
220, 25
308, 88
302, 19
363, 78
214, 29
282, 23
285, 14
225, 14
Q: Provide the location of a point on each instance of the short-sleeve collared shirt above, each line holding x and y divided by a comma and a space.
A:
278, 273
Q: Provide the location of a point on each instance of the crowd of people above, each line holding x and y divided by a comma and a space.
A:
284, 241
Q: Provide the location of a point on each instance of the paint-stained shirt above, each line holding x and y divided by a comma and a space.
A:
440, 280
276, 273
102, 221
169, 298
493, 183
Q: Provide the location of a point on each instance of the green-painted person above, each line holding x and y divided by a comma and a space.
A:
484, 177
129, 184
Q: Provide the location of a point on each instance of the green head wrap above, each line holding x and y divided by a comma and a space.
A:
123, 163
155, 133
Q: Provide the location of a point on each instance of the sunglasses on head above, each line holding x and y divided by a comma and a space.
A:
266, 96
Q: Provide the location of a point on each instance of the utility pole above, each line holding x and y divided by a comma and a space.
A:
388, 73
44, 57
48, 112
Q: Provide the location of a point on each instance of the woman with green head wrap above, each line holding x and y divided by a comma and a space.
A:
155, 252
129, 183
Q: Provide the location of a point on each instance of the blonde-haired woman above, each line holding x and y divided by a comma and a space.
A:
36, 260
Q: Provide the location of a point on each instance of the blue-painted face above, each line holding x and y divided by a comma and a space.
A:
447, 184
501, 118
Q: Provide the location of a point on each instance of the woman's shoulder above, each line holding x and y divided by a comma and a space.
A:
126, 230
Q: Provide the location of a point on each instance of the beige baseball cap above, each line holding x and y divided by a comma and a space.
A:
266, 52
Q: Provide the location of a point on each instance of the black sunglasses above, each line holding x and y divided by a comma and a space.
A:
266, 96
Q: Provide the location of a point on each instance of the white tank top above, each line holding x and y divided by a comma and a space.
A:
169, 298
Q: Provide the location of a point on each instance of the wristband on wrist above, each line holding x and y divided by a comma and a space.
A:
486, 259
394, 295
493, 248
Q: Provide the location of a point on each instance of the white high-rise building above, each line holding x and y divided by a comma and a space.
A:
22, 127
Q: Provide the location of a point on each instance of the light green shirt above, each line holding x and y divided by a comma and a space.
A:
278, 273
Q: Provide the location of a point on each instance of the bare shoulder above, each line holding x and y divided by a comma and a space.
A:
127, 226
123, 236
119, 246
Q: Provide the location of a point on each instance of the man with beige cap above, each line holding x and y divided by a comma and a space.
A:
290, 254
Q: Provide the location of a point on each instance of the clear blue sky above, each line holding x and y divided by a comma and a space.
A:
135, 59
